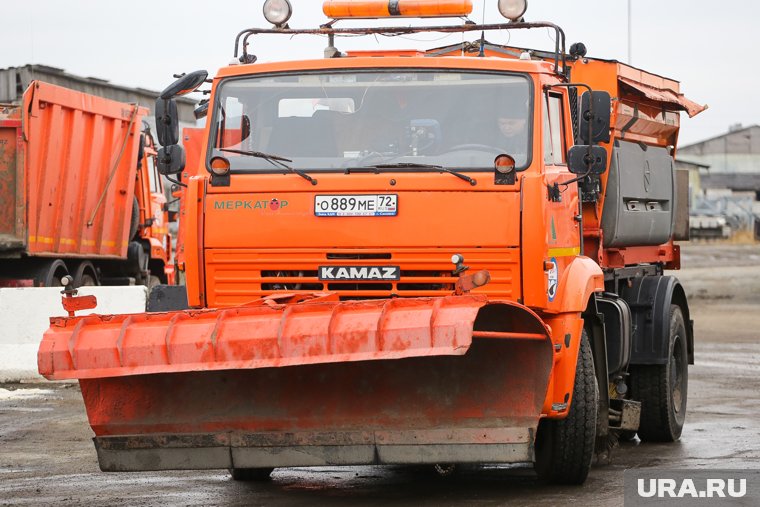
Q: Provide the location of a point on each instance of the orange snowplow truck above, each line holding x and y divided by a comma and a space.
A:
445, 256
79, 193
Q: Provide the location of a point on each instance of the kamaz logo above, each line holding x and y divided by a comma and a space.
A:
359, 272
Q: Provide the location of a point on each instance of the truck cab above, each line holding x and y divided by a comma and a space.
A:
391, 164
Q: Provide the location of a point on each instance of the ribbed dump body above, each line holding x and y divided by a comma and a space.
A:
70, 181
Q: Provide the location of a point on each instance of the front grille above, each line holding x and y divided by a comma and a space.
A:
290, 280
237, 276
417, 281
358, 256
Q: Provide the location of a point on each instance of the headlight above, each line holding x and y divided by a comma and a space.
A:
513, 9
277, 12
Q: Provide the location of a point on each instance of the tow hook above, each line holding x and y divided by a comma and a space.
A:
465, 283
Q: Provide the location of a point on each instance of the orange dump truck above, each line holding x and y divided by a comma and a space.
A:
79, 194
439, 256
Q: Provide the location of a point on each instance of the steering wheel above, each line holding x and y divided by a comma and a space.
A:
364, 160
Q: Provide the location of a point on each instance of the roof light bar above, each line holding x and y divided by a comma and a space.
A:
365, 9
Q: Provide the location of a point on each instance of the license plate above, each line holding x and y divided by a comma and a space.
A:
375, 205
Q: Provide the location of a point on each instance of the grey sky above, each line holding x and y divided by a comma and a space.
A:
710, 47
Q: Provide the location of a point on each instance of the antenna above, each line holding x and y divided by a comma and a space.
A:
482, 51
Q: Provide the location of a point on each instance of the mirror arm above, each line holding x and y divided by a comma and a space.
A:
176, 182
577, 178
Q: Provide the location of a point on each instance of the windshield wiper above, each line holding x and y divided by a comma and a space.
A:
471, 181
275, 160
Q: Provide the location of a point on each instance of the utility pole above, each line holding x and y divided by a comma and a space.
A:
630, 60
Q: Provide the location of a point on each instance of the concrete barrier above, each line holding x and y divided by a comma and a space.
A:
24, 317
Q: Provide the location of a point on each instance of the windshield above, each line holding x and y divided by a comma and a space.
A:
340, 120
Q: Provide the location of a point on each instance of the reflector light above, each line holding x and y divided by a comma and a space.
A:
220, 166
277, 12
513, 9
505, 164
341, 9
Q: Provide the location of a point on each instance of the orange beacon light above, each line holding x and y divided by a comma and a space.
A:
340, 9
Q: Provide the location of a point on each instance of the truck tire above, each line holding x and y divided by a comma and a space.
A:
565, 447
85, 275
51, 273
662, 389
134, 221
250, 474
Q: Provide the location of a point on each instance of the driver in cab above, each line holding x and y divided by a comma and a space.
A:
512, 132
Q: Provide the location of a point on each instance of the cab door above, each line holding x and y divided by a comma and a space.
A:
562, 226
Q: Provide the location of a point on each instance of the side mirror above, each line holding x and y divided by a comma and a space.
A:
582, 159
185, 84
600, 123
167, 122
171, 160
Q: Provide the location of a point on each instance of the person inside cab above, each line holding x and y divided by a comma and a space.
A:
512, 130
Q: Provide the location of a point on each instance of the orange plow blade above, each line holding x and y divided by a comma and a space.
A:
310, 383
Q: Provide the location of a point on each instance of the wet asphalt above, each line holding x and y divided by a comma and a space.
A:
47, 457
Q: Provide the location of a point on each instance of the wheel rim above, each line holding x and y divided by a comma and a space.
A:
677, 376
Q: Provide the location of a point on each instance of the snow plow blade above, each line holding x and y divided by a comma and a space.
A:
307, 383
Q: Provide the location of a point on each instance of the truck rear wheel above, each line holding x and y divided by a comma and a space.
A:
564, 447
85, 275
51, 273
250, 474
661, 389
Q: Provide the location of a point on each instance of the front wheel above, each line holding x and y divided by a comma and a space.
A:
564, 447
661, 389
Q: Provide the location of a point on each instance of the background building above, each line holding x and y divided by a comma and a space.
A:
733, 158
724, 180
15, 80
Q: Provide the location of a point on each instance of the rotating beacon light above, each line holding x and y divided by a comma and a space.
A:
358, 9
513, 10
278, 12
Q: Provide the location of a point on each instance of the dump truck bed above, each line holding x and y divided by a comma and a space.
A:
67, 174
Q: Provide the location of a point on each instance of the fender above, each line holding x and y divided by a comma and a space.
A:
650, 298
582, 278
579, 282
